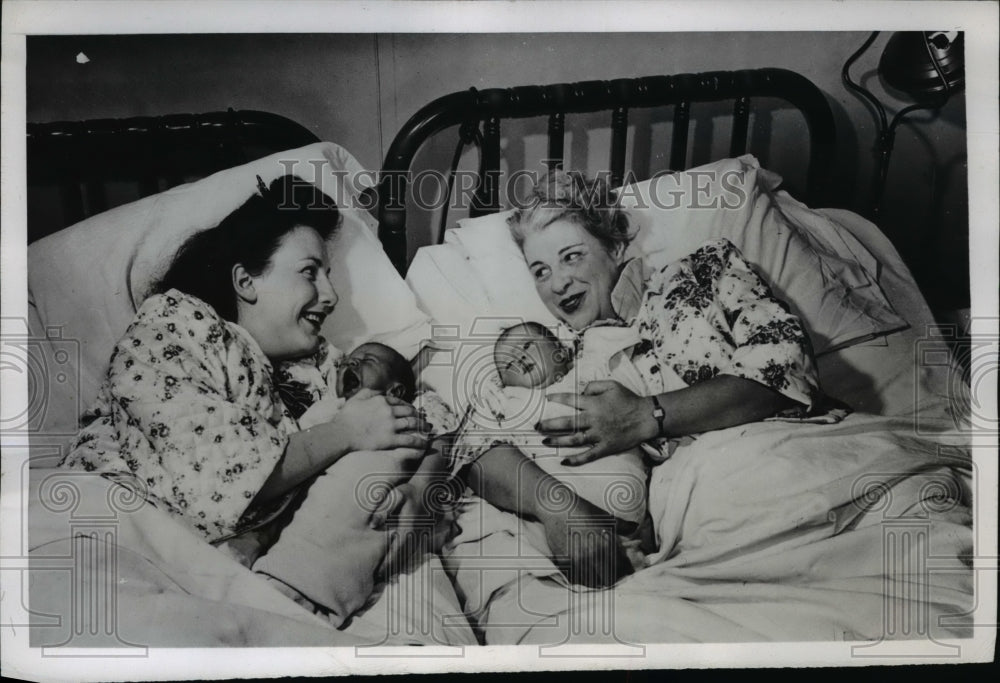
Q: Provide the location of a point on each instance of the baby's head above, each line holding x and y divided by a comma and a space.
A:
530, 355
377, 367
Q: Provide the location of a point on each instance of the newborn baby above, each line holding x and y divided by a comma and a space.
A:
383, 370
378, 367
529, 357
330, 552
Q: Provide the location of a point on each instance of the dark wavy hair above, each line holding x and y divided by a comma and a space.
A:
249, 236
569, 195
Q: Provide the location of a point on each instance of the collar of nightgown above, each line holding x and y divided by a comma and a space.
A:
626, 299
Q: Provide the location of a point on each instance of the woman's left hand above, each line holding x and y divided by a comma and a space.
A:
417, 520
611, 419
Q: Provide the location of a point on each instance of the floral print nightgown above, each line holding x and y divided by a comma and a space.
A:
705, 315
193, 412
190, 409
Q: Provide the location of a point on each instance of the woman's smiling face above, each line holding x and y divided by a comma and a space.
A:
292, 297
574, 274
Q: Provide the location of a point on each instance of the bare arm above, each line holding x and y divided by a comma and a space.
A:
723, 401
614, 419
581, 537
511, 481
412, 499
308, 453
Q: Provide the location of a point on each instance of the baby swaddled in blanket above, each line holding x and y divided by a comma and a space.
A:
529, 357
327, 552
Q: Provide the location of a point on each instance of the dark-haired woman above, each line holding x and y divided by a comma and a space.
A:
189, 407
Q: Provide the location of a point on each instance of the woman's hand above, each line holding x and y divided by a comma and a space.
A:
321, 411
584, 544
429, 494
612, 419
366, 422
418, 517
373, 422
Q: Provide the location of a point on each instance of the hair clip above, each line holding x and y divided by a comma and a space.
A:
262, 188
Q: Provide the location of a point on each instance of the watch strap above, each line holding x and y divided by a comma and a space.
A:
659, 413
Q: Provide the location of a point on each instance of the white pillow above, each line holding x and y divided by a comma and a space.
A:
88, 280
798, 251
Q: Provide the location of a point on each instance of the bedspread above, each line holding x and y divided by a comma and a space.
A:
108, 570
860, 530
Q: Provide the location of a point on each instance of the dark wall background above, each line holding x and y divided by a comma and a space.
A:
357, 90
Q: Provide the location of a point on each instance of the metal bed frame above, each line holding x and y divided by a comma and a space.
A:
80, 158
479, 113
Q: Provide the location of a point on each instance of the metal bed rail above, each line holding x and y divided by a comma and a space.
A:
479, 114
81, 158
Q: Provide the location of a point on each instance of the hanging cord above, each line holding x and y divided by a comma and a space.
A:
887, 129
468, 133
846, 76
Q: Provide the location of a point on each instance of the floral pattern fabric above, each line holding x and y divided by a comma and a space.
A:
710, 314
705, 315
192, 411
189, 409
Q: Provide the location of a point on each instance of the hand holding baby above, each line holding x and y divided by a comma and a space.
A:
321, 411
611, 419
375, 422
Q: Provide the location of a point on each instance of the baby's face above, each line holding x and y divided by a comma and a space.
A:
530, 360
370, 367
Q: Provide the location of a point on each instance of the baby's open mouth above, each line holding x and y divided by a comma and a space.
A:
349, 383
571, 303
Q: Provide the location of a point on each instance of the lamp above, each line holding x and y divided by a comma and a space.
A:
926, 65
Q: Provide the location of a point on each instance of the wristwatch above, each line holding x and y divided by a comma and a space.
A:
659, 413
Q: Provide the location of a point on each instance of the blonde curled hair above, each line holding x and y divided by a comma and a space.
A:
569, 195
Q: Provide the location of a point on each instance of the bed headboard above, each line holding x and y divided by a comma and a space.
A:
479, 113
80, 168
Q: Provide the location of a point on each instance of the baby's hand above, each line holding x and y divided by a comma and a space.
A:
321, 411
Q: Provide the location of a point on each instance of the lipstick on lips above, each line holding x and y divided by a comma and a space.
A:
571, 303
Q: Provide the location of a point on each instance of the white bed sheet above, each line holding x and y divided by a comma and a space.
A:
91, 543
769, 531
